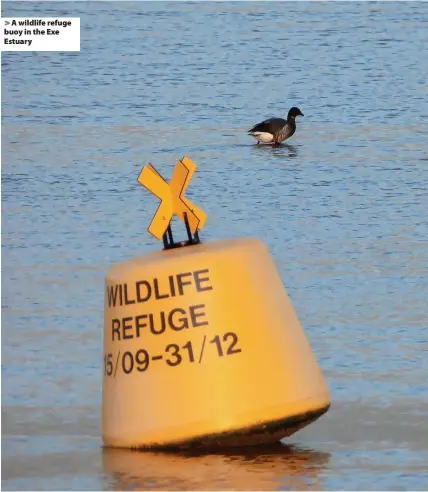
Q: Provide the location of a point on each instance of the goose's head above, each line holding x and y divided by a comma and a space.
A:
294, 112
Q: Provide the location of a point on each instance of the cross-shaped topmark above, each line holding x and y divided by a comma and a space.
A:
172, 197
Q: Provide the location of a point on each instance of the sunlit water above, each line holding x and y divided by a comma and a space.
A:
343, 209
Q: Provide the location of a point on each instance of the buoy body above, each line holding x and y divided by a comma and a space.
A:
202, 346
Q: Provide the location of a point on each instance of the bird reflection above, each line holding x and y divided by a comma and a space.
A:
281, 151
250, 468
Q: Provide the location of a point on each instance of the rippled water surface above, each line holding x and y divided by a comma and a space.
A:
343, 209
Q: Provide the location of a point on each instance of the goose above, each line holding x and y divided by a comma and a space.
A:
276, 130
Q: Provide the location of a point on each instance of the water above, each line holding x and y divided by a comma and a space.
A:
343, 209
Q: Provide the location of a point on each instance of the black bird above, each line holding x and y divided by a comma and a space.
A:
276, 130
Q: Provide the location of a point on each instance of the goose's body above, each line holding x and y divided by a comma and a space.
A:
276, 130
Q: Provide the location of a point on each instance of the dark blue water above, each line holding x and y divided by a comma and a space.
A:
342, 207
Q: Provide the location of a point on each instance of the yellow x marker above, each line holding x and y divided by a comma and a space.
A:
172, 197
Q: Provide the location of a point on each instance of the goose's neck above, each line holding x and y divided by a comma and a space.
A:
292, 120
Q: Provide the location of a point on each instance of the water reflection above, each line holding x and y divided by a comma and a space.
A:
284, 151
256, 468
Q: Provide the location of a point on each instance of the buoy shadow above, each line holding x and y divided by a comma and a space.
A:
249, 468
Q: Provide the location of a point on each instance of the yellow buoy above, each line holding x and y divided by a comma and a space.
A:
201, 343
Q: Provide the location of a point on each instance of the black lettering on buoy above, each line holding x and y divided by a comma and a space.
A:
115, 328
139, 325
156, 286
126, 327
199, 280
171, 285
127, 301
120, 294
152, 324
112, 294
184, 322
194, 315
180, 282
140, 298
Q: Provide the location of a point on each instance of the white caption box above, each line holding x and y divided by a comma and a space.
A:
40, 34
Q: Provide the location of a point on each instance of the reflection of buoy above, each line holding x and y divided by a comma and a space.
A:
201, 343
267, 468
